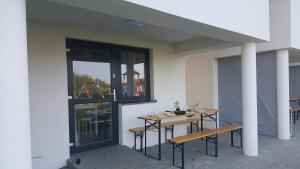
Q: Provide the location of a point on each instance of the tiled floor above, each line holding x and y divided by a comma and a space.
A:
273, 154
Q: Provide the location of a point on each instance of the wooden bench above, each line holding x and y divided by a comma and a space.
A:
211, 136
168, 126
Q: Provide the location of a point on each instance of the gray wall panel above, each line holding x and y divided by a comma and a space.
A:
295, 81
230, 91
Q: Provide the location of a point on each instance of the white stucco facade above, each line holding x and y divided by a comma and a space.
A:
284, 30
284, 34
295, 24
15, 142
49, 103
239, 14
175, 74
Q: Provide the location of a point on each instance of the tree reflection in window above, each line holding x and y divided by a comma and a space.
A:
88, 84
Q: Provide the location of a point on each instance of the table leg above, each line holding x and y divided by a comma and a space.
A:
294, 117
145, 137
216, 119
159, 140
201, 118
172, 131
96, 126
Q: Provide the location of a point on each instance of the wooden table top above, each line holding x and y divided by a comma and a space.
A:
156, 117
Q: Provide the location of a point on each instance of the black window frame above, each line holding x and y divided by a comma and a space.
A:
116, 63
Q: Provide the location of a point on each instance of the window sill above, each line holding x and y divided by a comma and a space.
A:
138, 102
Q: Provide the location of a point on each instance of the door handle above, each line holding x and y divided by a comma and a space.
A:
114, 95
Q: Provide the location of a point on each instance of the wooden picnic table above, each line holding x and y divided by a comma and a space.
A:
154, 121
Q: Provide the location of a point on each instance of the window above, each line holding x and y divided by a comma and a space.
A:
91, 77
103, 71
134, 76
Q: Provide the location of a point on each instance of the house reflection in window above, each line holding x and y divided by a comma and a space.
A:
133, 74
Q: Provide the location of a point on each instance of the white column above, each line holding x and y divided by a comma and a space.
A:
249, 92
283, 94
15, 146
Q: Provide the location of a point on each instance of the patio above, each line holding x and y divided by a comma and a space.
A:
273, 153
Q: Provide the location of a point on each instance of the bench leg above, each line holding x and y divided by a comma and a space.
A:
140, 136
239, 133
141, 142
182, 157
212, 139
206, 149
135, 140
201, 125
216, 146
191, 127
180, 148
173, 161
231, 134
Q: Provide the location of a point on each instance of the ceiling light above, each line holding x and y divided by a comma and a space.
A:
133, 23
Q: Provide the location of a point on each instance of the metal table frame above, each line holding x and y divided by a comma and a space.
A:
208, 139
155, 125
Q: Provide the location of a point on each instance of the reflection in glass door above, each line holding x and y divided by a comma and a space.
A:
93, 123
93, 120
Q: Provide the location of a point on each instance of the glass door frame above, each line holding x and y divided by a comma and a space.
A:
73, 44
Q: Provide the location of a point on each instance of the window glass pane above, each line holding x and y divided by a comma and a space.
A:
133, 74
92, 79
93, 123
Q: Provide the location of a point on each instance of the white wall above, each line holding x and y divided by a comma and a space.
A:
249, 17
169, 86
283, 30
48, 88
280, 26
48, 96
199, 80
231, 20
295, 24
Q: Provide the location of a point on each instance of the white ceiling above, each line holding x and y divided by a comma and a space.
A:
54, 12
184, 43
